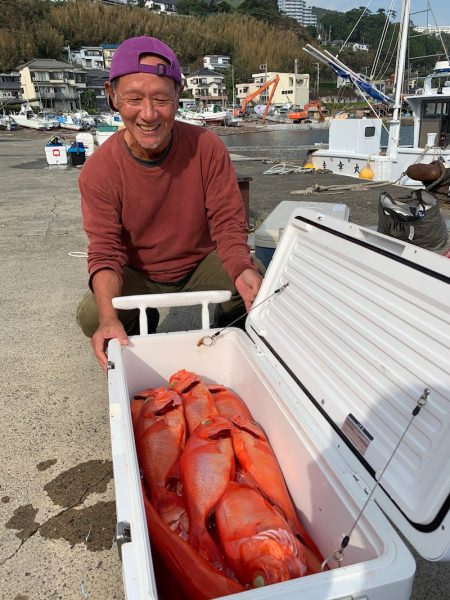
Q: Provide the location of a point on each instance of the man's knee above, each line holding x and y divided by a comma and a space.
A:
87, 314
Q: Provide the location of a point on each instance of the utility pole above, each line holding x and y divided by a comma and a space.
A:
317, 81
295, 81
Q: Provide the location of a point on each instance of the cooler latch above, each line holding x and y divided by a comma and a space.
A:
123, 535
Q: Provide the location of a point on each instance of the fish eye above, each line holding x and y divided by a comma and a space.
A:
259, 581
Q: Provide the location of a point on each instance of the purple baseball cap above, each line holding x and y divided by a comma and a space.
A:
125, 59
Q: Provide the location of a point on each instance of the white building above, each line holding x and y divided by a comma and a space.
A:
291, 89
89, 57
433, 29
298, 10
50, 83
216, 61
206, 87
167, 8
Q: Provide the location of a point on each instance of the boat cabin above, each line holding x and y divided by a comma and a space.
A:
431, 109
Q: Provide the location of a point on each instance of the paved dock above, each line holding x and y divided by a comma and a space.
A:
57, 515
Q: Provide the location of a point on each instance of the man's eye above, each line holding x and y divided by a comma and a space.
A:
163, 101
133, 101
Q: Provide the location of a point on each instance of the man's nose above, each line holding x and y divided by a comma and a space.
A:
148, 111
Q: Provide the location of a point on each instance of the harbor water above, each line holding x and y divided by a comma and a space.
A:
290, 145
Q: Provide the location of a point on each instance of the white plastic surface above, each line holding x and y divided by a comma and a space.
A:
144, 301
87, 139
364, 325
56, 155
269, 233
328, 496
355, 136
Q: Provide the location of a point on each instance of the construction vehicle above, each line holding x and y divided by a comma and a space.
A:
298, 116
240, 112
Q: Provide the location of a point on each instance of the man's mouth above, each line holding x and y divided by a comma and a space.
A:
148, 128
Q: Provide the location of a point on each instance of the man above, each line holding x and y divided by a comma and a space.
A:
160, 202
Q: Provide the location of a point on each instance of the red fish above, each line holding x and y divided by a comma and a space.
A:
159, 447
155, 405
207, 467
227, 402
194, 574
197, 399
258, 467
257, 541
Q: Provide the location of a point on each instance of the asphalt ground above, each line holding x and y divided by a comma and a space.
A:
57, 515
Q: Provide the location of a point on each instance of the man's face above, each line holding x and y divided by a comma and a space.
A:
147, 104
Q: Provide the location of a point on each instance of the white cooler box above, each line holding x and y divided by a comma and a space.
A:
333, 367
56, 155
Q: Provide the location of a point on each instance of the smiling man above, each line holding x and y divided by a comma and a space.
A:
160, 202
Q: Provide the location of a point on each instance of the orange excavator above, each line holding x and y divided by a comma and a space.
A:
301, 115
240, 112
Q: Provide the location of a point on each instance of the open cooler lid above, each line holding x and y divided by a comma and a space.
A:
363, 327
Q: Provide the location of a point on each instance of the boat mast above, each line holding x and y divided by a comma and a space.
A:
394, 129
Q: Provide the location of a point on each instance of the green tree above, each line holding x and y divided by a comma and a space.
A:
87, 101
198, 8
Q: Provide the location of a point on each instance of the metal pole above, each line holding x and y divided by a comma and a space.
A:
394, 129
317, 82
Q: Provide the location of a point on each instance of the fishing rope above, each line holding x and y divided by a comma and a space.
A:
210, 340
354, 27
338, 555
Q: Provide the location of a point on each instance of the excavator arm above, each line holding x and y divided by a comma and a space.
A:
259, 91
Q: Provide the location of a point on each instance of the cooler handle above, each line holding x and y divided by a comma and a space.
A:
144, 301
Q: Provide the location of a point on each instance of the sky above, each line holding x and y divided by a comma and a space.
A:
440, 8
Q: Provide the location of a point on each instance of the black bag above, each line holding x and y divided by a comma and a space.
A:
416, 220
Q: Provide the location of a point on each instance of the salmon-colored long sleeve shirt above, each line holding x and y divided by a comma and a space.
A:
164, 219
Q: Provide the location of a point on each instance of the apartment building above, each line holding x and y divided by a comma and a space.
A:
291, 89
50, 83
108, 52
297, 9
206, 87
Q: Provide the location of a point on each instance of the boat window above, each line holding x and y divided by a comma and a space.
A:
369, 132
432, 109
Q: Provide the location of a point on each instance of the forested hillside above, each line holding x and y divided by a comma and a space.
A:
35, 28
252, 32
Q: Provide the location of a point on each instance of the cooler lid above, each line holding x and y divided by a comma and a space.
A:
363, 327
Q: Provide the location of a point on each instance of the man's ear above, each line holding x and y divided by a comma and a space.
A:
110, 95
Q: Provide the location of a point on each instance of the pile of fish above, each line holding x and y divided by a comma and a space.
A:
218, 509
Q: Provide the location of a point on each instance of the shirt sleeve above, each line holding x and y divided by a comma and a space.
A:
101, 214
226, 211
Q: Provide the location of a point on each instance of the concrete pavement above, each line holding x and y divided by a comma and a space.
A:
57, 514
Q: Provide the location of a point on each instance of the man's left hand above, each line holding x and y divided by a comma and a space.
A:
248, 284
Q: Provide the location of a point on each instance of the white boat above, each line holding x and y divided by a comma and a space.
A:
50, 117
27, 118
185, 117
111, 119
213, 114
355, 144
7, 123
67, 121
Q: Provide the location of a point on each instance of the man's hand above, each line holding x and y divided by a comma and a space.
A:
107, 330
248, 284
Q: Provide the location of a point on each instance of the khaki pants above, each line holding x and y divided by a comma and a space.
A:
209, 275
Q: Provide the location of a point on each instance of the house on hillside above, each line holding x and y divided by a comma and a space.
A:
95, 80
166, 7
216, 61
206, 87
50, 83
89, 57
291, 89
108, 52
10, 89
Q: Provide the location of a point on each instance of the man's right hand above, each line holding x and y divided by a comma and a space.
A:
107, 330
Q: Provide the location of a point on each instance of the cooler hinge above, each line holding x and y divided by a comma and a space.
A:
362, 484
123, 535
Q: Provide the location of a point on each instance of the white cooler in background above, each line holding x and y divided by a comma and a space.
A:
267, 236
56, 155
332, 368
